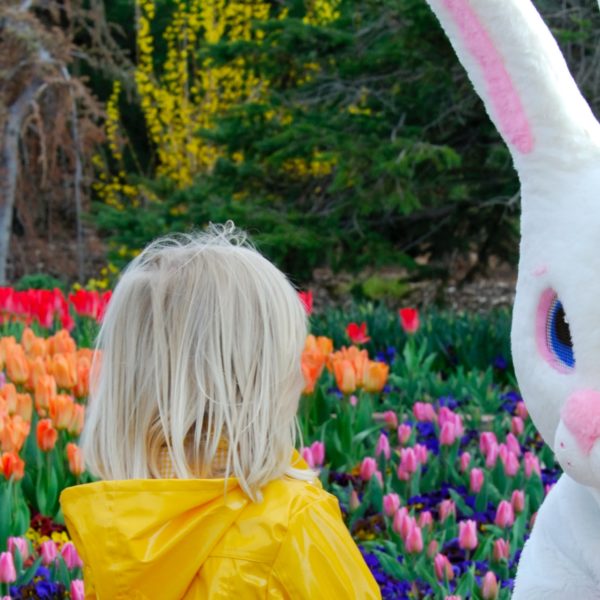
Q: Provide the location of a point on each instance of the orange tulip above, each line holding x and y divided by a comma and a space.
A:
14, 433
6, 343
17, 365
82, 385
27, 339
37, 368
61, 410
46, 435
345, 376
9, 393
323, 344
353, 354
11, 465
24, 406
375, 376
61, 343
77, 417
38, 348
312, 367
64, 369
75, 458
45, 389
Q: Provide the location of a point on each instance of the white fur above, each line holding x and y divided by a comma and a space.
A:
561, 559
560, 228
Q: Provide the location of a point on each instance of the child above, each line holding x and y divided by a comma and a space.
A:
191, 425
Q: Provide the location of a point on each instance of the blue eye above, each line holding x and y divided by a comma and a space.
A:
558, 335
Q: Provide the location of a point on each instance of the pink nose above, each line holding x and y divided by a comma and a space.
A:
581, 416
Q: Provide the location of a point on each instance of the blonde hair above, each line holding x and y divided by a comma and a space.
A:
201, 343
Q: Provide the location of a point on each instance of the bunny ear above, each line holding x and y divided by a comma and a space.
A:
518, 70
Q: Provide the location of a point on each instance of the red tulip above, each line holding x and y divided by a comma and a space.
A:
357, 333
307, 300
409, 319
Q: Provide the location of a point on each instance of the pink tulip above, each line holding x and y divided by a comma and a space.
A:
513, 445
521, 410
517, 426
424, 411
307, 455
448, 416
425, 519
49, 552
532, 520
368, 468
486, 440
391, 419
391, 503
518, 501
453, 597
465, 461
467, 535
408, 460
406, 526
353, 502
353, 400
432, 548
511, 464
70, 556
492, 456
475, 480
383, 446
505, 516
502, 452
532, 464
403, 474
404, 432
443, 568
379, 477
77, 590
318, 453
548, 487
414, 540
18, 544
489, 586
421, 453
447, 508
8, 573
448, 434
501, 550
399, 517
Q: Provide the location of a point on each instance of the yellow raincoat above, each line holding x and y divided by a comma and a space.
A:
169, 539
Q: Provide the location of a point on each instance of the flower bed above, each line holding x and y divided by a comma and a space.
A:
417, 428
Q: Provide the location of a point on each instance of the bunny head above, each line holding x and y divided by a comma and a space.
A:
520, 74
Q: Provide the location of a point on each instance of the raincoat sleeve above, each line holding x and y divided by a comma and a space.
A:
319, 559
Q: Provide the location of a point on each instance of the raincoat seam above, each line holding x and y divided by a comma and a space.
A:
274, 569
233, 557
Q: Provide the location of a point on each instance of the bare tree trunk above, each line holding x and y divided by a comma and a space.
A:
77, 179
9, 167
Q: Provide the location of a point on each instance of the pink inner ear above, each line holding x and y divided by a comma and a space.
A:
512, 120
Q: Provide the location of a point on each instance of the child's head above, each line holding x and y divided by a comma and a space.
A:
201, 344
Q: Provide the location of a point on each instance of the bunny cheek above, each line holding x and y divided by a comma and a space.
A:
576, 438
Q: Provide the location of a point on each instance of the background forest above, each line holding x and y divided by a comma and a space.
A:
341, 134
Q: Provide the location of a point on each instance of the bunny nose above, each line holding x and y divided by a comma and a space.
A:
581, 416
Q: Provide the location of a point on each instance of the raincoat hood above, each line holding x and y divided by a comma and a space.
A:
205, 538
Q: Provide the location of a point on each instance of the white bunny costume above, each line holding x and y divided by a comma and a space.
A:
519, 72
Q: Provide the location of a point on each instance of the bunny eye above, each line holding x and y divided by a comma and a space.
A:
554, 334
